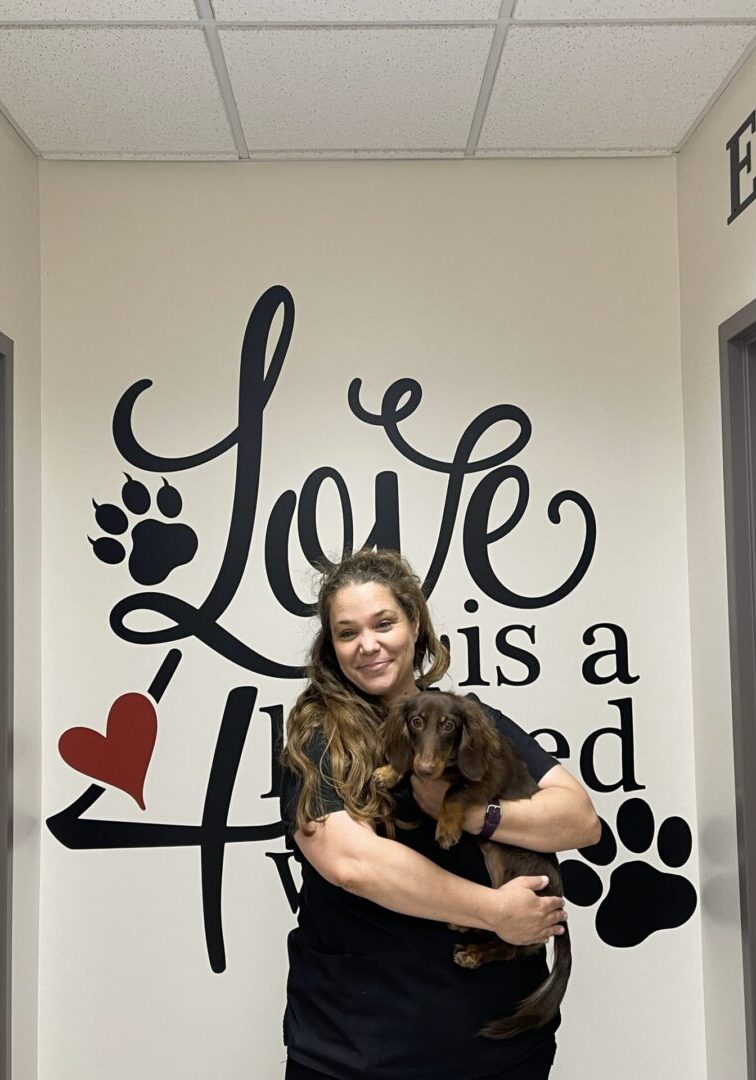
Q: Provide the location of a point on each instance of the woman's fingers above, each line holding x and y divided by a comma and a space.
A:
556, 923
555, 932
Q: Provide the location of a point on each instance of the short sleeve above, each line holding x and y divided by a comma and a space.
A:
538, 760
291, 784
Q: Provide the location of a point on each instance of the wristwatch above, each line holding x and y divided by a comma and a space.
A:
491, 820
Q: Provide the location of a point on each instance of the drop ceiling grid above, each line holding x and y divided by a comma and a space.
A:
403, 89
118, 91
583, 85
593, 88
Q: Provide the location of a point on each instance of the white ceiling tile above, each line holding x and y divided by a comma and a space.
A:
126, 91
356, 89
96, 10
594, 87
635, 9
354, 10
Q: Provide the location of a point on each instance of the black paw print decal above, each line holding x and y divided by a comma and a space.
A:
157, 547
641, 899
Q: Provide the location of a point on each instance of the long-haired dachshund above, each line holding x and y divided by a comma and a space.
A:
447, 736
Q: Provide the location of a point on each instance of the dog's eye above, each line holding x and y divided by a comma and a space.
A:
416, 721
448, 725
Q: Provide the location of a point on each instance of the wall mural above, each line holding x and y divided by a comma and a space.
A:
142, 531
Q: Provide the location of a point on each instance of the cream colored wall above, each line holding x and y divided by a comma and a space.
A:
717, 279
20, 321
552, 285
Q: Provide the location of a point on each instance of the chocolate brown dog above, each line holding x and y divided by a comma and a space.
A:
447, 736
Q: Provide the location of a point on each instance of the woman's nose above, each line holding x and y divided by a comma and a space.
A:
368, 643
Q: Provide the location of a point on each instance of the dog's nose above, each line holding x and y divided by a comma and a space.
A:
425, 770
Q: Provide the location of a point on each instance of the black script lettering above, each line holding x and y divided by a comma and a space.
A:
506, 648
307, 515
384, 534
477, 537
282, 860
256, 384
471, 634
276, 714
277, 556
620, 652
395, 409
624, 733
80, 833
400, 400
738, 165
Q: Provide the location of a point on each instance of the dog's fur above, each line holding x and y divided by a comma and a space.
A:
446, 736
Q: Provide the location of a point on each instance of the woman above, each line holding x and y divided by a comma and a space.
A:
373, 991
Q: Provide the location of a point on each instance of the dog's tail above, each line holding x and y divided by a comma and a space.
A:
542, 1005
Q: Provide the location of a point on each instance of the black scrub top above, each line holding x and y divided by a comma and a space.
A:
375, 994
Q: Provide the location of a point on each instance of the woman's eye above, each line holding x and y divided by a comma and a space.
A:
385, 624
345, 635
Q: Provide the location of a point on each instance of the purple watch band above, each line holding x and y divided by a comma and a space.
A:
491, 821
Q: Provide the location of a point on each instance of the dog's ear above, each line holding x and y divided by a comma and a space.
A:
478, 743
397, 745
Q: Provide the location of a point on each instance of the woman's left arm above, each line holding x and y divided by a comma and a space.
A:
558, 817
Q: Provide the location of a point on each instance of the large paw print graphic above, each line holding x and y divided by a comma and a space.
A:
641, 899
157, 547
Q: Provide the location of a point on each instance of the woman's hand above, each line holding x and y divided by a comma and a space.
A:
429, 794
526, 918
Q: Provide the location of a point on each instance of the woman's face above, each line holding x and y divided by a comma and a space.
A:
374, 641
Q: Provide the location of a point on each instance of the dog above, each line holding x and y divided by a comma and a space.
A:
447, 736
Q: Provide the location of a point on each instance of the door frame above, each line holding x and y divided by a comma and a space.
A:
6, 696
737, 359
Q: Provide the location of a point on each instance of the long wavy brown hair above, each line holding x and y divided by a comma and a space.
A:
348, 718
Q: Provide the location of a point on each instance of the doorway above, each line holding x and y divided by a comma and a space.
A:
6, 693
737, 352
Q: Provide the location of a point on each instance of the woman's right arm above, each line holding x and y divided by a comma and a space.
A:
351, 855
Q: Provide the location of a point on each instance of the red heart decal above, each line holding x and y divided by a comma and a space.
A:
121, 756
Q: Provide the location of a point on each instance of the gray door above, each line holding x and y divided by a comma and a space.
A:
737, 346
6, 692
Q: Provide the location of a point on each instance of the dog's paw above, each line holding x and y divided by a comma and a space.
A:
447, 835
157, 547
450, 823
386, 777
467, 956
641, 899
